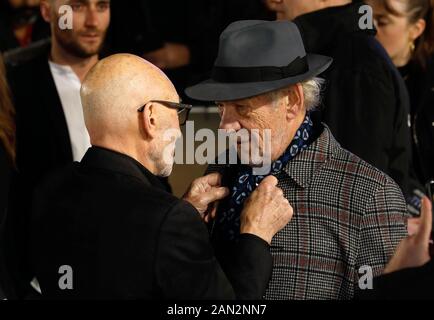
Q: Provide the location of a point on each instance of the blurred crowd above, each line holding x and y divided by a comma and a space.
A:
378, 99
181, 38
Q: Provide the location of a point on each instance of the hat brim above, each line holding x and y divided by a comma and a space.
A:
211, 90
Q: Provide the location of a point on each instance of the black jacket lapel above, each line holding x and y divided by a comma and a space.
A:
51, 100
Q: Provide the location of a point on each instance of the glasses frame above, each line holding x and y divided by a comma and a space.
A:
173, 105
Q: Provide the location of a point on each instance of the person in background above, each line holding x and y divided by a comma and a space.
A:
50, 125
46, 89
365, 100
7, 159
406, 30
20, 24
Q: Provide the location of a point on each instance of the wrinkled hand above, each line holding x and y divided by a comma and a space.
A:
204, 193
171, 56
413, 251
266, 211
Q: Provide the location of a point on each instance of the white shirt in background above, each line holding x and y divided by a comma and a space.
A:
68, 87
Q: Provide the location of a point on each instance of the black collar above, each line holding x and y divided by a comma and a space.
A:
102, 158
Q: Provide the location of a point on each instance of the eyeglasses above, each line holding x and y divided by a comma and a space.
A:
183, 109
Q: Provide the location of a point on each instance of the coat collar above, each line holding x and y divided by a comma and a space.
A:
305, 165
101, 158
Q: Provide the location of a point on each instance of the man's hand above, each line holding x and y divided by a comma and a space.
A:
413, 251
203, 194
171, 56
266, 211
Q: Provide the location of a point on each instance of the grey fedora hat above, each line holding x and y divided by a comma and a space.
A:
256, 57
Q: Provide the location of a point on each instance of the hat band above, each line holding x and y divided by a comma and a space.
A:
258, 74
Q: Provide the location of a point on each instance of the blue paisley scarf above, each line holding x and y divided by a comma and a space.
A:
229, 219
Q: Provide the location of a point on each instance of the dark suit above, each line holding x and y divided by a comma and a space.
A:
125, 237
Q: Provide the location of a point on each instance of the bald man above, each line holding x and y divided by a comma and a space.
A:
105, 227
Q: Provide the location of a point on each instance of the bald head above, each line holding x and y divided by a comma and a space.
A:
115, 88
111, 95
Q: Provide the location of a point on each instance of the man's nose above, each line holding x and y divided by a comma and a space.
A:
91, 17
229, 119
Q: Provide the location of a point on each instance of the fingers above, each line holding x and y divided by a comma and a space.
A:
287, 210
212, 212
272, 180
279, 193
268, 184
215, 194
213, 179
413, 226
424, 232
207, 218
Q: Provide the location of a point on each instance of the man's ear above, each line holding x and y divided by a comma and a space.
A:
147, 120
45, 8
294, 101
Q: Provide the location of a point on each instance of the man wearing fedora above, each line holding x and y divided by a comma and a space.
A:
348, 216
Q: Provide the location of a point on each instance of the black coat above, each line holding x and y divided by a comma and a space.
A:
365, 103
420, 84
5, 174
111, 221
43, 144
413, 283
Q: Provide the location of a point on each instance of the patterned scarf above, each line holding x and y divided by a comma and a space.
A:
228, 220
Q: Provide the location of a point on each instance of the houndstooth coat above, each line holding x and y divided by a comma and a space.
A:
347, 215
